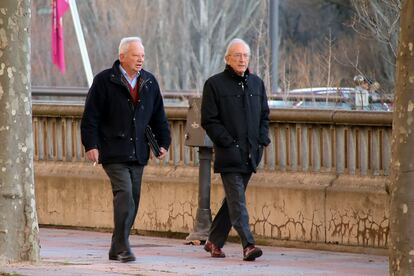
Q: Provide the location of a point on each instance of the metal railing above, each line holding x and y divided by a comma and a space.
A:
48, 93
319, 141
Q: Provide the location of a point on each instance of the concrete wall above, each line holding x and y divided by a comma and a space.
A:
310, 210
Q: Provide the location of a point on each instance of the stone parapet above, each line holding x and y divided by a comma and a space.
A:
310, 210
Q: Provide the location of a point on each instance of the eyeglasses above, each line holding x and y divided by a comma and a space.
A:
239, 55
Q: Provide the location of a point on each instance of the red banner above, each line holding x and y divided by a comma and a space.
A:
59, 8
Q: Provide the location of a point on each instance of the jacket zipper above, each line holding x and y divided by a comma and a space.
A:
242, 86
142, 84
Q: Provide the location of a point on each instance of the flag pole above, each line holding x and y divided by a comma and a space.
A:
81, 41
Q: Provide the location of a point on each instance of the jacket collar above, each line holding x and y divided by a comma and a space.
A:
229, 71
116, 74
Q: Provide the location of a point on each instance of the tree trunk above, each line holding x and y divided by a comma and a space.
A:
18, 219
402, 178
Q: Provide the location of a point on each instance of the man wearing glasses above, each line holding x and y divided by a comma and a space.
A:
235, 115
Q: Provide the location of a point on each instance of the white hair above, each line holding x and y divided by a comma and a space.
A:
235, 41
123, 45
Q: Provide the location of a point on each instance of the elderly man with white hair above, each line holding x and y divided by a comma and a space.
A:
235, 115
121, 103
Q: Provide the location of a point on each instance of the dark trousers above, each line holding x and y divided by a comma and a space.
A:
126, 188
233, 211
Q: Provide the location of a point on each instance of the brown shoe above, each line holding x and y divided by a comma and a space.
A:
214, 250
251, 252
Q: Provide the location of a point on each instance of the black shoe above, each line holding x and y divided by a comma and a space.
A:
113, 257
126, 256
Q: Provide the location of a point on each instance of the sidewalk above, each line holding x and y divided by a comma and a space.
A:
74, 252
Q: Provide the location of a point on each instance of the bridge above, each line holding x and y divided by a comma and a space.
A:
322, 181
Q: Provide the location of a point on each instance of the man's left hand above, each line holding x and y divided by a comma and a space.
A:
163, 153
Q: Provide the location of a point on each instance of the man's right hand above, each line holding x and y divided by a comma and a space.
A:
93, 155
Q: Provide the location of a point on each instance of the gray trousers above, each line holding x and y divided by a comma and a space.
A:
233, 211
126, 188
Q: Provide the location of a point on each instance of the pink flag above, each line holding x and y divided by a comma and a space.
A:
59, 7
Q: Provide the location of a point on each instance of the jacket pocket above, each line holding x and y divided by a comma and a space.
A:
228, 156
115, 147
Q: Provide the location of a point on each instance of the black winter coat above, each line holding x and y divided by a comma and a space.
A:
113, 125
235, 115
